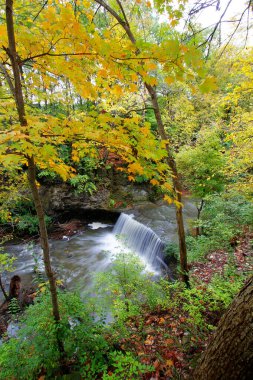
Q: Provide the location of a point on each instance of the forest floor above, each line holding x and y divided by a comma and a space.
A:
168, 338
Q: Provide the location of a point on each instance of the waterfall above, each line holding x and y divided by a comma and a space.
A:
141, 239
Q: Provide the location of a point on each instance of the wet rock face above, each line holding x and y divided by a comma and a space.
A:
62, 198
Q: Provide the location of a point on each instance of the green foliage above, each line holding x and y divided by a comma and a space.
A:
112, 203
83, 184
36, 345
203, 166
124, 289
14, 307
232, 208
23, 216
125, 366
222, 219
198, 247
224, 287
202, 302
49, 175
28, 223
6, 262
171, 251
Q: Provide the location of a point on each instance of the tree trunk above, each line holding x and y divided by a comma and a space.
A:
229, 355
161, 130
199, 230
43, 237
3, 289
177, 187
19, 98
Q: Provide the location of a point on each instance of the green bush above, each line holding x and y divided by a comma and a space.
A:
225, 286
123, 290
24, 218
222, 220
48, 176
28, 223
230, 210
36, 349
125, 366
36, 346
199, 246
126, 291
83, 184
171, 251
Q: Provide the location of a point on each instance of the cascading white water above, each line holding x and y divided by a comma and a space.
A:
141, 239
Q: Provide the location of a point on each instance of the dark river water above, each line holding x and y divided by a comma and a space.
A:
77, 258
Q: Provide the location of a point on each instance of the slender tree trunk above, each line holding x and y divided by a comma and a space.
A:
171, 161
177, 187
19, 98
3, 290
199, 230
229, 355
43, 236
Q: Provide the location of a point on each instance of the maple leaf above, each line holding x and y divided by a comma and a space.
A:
149, 341
209, 84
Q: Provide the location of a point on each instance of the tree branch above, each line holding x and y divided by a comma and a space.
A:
121, 21
41, 9
211, 36
55, 55
235, 30
123, 12
8, 79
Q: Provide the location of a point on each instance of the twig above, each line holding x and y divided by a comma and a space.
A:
41, 9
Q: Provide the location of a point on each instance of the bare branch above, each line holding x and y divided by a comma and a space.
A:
95, 13
41, 9
235, 30
121, 21
211, 36
123, 12
248, 26
56, 55
200, 6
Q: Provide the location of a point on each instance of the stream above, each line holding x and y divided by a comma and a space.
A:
91, 250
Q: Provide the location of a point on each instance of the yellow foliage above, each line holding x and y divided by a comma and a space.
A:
154, 182
168, 199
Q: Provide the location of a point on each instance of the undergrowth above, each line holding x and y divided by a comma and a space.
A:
127, 297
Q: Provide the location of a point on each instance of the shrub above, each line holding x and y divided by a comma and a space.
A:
36, 346
171, 251
83, 184
222, 219
28, 223
123, 290
125, 366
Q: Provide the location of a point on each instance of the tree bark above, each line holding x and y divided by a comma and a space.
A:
19, 98
199, 230
176, 184
3, 289
229, 355
43, 236
161, 130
